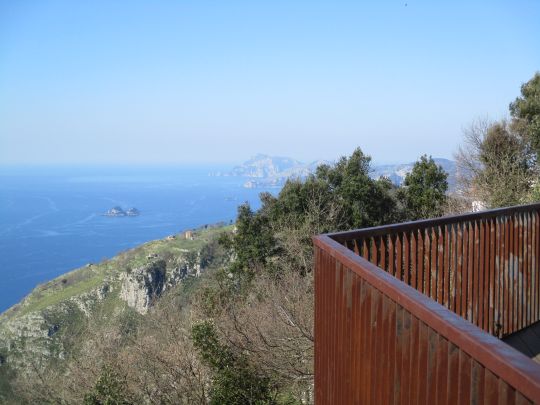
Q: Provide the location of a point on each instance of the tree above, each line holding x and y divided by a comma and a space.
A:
234, 381
526, 112
424, 194
110, 389
364, 201
495, 165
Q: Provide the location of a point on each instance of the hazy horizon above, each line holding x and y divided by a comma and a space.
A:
138, 83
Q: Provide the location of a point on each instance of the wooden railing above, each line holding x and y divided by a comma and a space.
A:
398, 310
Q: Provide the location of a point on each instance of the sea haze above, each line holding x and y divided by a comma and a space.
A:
51, 222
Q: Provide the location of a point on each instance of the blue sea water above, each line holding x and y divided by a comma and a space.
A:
51, 222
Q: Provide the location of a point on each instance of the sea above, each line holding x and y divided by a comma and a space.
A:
51, 218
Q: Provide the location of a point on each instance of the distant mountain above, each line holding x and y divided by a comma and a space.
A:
272, 171
264, 166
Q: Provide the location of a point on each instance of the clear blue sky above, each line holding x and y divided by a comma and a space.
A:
218, 81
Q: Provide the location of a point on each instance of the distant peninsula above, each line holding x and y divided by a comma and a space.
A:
264, 171
119, 212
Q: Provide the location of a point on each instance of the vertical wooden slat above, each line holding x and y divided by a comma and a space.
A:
508, 265
459, 271
464, 387
535, 267
427, 261
399, 257
406, 258
422, 362
385, 352
414, 354
530, 282
440, 265
397, 386
442, 370
492, 286
414, 263
365, 248
391, 255
376, 347
477, 383
382, 252
420, 261
479, 288
431, 382
491, 388
453, 374
515, 273
433, 263
447, 252
405, 358
470, 271
392, 349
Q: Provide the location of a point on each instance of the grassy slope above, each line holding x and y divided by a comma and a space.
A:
85, 279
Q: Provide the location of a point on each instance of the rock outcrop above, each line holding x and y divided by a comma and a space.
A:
143, 285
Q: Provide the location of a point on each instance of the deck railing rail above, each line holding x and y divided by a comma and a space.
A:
410, 313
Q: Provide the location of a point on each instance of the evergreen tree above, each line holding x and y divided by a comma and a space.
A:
424, 194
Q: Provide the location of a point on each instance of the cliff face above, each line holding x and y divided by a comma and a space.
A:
144, 285
46, 326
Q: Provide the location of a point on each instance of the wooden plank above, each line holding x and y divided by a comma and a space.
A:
431, 382
464, 390
399, 257
491, 388
392, 349
535, 266
376, 349
414, 263
434, 270
366, 344
447, 253
440, 266
398, 376
427, 264
470, 271
453, 374
477, 383
528, 270
374, 251
414, 351
391, 255
388, 345
420, 261
479, 305
382, 252
492, 285
459, 271
442, 370
422, 362
405, 342
507, 394
406, 258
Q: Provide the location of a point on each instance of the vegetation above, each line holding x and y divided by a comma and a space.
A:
499, 161
424, 194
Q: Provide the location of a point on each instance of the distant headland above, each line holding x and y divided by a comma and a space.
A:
119, 212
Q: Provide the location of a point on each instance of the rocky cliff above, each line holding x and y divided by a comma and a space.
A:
47, 325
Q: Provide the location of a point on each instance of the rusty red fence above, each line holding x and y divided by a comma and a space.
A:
400, 310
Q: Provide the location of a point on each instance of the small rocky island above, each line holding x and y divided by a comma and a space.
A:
119, 212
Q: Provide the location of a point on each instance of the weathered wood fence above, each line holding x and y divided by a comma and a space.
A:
400, 310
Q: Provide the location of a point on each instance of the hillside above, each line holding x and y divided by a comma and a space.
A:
273, 171
48, 325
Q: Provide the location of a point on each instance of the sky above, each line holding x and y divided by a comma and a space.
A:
180, 82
